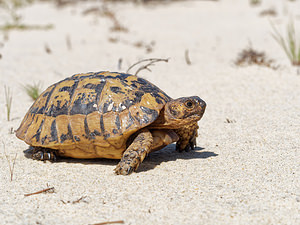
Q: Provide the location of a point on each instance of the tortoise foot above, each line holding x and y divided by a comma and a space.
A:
124, 169
131, 160
189, 146
135, 153
44, 154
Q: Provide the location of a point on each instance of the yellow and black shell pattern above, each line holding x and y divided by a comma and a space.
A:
92, 115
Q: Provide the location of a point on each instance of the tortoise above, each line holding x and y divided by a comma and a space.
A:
109, 115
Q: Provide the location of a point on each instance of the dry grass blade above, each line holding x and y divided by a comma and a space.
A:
11, 167
289, 44
68, 42
151, 61
8, 101
255, 2
8, 27
11, 130
33, 91
187, 57
120, 63
110, 222
51, 189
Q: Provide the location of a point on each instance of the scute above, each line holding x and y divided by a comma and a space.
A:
91, 111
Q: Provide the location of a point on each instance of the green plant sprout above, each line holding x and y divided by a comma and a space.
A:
33, 91
289, 44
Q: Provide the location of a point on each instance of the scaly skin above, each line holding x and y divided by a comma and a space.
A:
135, 153
44, 154
187, 137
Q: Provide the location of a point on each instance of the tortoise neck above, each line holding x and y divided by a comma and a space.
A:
163, 122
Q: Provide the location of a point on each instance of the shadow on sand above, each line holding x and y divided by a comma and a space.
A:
151, 161
170, 154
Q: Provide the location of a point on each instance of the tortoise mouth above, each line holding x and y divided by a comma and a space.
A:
195, 118
177, 123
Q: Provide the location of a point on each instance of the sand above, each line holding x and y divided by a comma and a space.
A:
245, 169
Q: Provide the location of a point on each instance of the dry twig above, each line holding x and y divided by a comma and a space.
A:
50, 190
152, 61
81, 199
109, 222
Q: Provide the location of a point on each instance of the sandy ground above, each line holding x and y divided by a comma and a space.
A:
245, 171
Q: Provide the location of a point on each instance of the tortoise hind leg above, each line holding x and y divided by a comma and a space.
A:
44, 154
135, 153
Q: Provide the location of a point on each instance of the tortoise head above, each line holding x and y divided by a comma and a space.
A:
180, 112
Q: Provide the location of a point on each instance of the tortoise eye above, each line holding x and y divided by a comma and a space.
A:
189, 104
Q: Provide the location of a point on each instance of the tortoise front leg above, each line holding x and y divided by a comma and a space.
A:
135, 153
187, 137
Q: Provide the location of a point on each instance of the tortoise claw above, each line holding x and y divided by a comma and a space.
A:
190, 146
123, 169
186, 148
193, 147
193, 143
44, 154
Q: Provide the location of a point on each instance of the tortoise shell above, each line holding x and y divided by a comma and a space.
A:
92, 115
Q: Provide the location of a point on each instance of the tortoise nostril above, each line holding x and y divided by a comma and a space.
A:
202, 104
